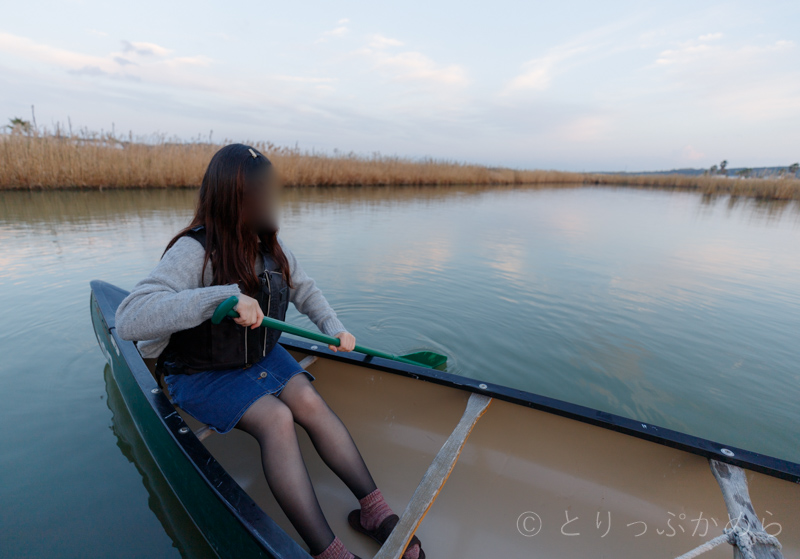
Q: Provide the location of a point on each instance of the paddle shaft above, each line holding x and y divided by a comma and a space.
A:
318, 337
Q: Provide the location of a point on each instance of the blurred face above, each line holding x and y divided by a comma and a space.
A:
262, 202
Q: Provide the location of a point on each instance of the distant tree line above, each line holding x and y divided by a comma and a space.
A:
722, 170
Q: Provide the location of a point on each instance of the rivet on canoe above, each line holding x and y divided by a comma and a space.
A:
155, 390
726, 451
482, 386
314, 347
183, 430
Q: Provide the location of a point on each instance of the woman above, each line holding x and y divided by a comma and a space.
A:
235, 374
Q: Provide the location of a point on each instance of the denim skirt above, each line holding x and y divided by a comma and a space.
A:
219, 398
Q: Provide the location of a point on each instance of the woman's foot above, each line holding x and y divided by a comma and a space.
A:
336, 550
374, 510
375, 517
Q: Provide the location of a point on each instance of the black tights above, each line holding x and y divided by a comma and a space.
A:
271, 421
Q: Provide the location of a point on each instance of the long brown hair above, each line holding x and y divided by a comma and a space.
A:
234, 174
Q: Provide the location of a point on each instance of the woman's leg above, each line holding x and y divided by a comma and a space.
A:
338, 450
328, 434
271, 422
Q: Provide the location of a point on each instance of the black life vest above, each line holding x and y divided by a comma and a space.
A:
227, 345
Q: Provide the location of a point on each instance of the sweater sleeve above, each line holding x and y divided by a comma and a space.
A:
308, 298
172, 297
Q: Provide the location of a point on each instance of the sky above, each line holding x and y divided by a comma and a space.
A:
572, 85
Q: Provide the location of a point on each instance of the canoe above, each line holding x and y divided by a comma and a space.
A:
535, 476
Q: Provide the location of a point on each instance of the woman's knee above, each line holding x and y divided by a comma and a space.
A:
305, 402
282, 417
267, 414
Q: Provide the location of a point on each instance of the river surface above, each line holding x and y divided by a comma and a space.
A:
671, 308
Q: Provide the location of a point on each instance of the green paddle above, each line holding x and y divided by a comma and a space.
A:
425, 358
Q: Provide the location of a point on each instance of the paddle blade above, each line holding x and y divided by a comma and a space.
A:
427, 359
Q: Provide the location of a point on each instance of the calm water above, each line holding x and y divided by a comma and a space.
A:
670, 308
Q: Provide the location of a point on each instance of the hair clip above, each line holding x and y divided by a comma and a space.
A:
254, 154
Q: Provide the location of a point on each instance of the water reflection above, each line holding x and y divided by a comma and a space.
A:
762, 211
64, 207
161, 500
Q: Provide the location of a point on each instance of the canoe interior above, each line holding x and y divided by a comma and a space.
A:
516, 460
623, 496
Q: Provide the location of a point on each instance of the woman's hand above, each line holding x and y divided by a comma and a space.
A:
347, 343
250, 313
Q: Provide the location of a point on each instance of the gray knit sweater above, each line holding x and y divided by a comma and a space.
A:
172, 298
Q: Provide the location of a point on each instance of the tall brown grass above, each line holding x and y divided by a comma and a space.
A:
54, 159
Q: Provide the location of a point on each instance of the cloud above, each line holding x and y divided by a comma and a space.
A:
409, 66
707, 50
339, 31
96, 71
145, 49
138, 62
688, 50
750, 81
22, 46
381, 42
710, 37
89, 71
149, 55
415, 66
538, 74
198, 60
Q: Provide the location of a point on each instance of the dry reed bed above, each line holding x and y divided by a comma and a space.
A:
52, 160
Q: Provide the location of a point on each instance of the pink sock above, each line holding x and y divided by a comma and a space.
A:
374, 510
336, 550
